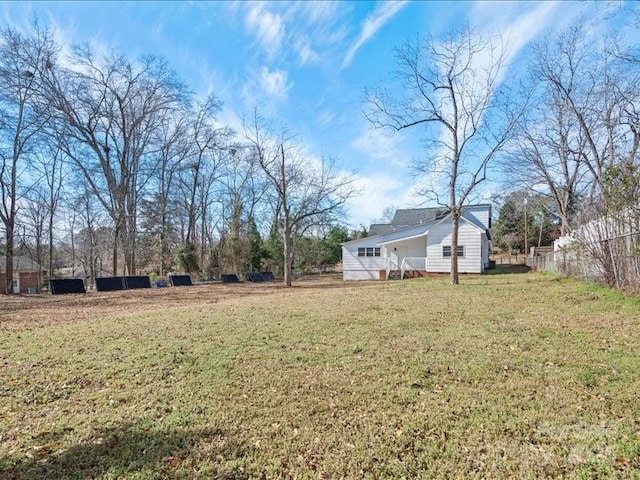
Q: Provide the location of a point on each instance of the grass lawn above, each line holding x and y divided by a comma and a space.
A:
504, 376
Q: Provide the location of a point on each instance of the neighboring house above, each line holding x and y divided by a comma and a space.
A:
25, 275
606, 249
417, 242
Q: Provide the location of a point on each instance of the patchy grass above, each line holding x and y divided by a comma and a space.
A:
503, 376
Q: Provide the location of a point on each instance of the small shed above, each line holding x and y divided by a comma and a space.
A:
26, 275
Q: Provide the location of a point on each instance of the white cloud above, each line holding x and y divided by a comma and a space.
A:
275, 83
306, 54
517, 30
304, 33
381, 146
374, 22
376, 192
267, 27
325, 117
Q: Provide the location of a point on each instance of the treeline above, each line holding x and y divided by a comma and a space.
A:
113, 165
579, 135
575, 152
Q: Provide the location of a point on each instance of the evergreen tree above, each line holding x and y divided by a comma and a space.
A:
509, 230
187, 258
332, 245
256, 247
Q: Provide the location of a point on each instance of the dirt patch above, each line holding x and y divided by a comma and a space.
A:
27, 311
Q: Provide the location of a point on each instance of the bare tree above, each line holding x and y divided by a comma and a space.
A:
546, 156
597, 85
599, 91
110, 108
160, 208
304, 194
242, 187
45, 196
34, 218
20, 126
203, 165
451, 91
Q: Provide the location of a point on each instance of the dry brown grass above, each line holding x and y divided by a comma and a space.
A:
503, 376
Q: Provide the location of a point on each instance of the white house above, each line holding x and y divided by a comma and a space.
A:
417, 242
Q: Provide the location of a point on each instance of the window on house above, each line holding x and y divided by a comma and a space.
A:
446, 251
369, 251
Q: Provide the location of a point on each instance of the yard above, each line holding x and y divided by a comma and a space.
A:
504, 376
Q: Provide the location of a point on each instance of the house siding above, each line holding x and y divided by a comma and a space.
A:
485, 251
479, 213
26, 280
29, 280
415, 248
468, 235
361, 268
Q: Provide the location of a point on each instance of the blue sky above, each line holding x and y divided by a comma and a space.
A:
306, 64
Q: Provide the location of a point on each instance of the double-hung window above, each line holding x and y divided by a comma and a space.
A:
369, 251
446, 251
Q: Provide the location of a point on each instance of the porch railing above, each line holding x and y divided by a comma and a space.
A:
391, 264
413, 263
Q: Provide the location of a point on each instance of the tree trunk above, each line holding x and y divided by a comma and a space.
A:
131, 245
455, 214
288, 255
39, 258
114, 264
9, 226
50, 244
163, 248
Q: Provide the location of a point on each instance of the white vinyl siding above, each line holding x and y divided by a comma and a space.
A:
485, 250
360, 260
415, 247
368, 251
468, 236
356, 267
479, 213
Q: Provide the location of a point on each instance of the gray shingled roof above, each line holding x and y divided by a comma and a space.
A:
417, 216
380, 228
410, 217
20, 264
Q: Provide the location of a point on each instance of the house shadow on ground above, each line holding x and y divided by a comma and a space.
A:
128, 450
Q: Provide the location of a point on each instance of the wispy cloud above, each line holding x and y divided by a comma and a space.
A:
377, 191
267, 27
325, 117
300, 33
370, 26
519, 28
275, 83
380, 146
306, 54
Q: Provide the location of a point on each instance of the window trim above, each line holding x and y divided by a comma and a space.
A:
446, 251
369, 252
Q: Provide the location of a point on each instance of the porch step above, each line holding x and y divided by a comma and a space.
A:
394, 275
